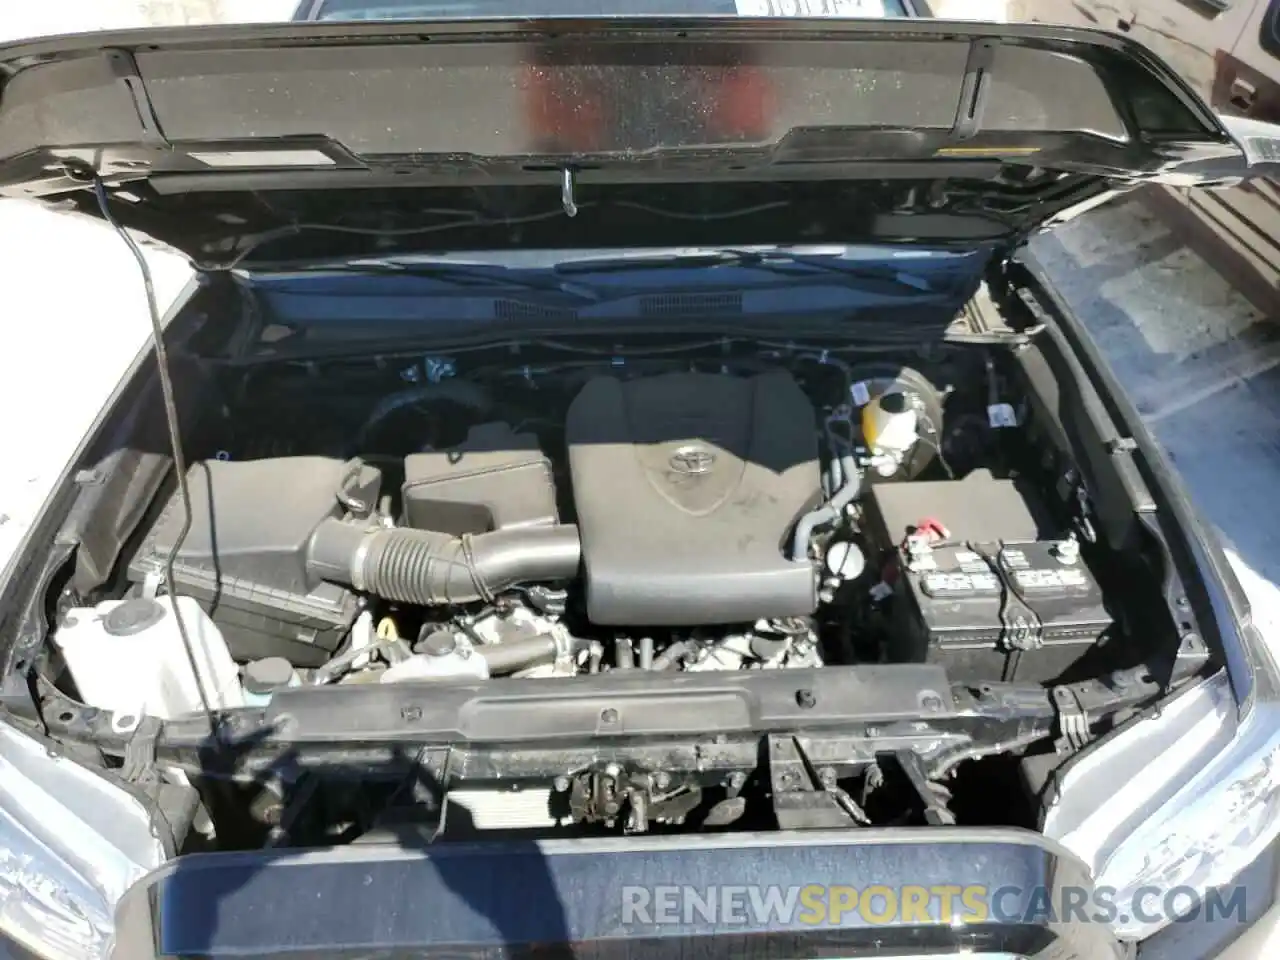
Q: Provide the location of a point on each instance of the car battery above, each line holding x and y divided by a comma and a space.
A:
981, 581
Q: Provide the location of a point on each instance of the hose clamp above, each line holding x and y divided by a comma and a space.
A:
358, 560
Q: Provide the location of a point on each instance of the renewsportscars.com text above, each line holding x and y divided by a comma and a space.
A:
820, 904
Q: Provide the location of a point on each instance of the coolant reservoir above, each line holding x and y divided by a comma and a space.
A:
127, 656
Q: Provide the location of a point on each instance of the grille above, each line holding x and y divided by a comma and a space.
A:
687, 304
519, 310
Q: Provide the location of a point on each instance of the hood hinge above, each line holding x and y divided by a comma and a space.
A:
974, 88
125, 68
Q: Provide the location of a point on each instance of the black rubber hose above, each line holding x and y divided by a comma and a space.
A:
427, 568
829, 511
504, 658
673, 654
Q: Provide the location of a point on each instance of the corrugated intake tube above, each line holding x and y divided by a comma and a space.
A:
429, 569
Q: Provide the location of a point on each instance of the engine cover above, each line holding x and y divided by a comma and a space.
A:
686, 487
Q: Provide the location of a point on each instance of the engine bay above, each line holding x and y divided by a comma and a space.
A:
839, 583
729, 507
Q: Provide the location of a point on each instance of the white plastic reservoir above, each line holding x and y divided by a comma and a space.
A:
128, 657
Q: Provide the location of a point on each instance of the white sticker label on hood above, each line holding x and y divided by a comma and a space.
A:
811, 8
262, 158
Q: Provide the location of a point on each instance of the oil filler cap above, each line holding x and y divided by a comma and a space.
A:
438, 643
132, 617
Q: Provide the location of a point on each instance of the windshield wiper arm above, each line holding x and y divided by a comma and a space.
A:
780, 262
463, 274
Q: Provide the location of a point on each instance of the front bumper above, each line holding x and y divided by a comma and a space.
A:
815, 893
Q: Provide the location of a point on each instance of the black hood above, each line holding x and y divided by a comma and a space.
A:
253, 143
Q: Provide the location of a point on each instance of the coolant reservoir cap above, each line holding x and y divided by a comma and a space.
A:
132, 617
267, 675
845, 560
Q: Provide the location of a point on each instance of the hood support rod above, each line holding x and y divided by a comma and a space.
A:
175, 443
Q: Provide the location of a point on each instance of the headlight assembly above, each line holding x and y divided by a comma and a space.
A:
71, 843
1184, 800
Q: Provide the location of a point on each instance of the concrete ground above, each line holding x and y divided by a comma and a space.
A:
1203, 363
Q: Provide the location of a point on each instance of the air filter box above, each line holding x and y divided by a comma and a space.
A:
244, 557
494, 480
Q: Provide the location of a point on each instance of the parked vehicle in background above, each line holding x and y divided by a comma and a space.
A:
428, 9
1229, 51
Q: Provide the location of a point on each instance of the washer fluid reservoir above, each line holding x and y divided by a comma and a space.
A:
127, 656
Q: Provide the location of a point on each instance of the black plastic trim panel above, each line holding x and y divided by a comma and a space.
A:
646, 704
512, 898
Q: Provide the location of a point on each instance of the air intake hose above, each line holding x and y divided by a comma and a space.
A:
426, 568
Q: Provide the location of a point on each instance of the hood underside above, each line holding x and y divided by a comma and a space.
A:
213, 140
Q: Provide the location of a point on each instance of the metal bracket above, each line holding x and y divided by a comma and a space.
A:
1020, 633
125, 68
805, 798
439, 368
932, 794
1084, 511
151, 583
567, 189
639, 799
140, 753
547, 601
1022, 629
974, 88
1073, 721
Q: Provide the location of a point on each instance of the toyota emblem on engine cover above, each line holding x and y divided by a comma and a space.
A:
692, 461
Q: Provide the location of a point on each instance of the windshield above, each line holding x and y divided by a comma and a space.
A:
457, 9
